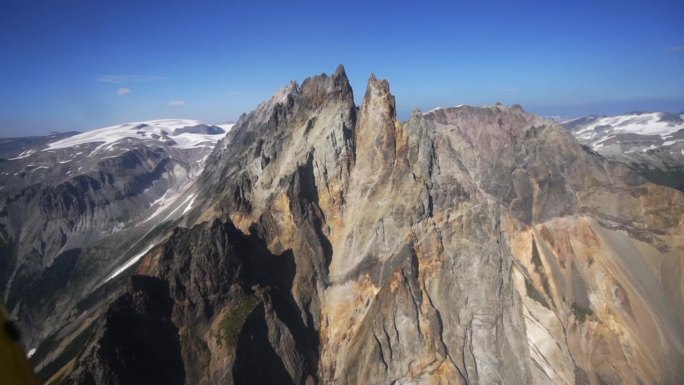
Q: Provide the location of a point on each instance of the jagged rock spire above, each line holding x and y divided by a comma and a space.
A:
375, 135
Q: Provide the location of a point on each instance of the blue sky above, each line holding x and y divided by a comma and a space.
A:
83, 64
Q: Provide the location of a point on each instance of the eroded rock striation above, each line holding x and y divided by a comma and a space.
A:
75, 209
335, 244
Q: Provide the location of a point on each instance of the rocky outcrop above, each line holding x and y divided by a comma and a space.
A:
137, 343
420, 277
232, 302
68, 234
338, 245
74, 210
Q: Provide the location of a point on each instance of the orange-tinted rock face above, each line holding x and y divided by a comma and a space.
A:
466, 245
610, 304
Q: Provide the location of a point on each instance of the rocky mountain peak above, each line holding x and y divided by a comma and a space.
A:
376, 131
312, 95
317, 90
340, 70
272, 141
339, 245
378, 101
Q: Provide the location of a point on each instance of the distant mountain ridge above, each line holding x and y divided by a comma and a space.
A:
75, 206
174, 132
321, 242
15, 147
600, 131
652, 142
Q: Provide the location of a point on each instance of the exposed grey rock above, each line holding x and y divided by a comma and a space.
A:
71, 215
338, 245
137, 343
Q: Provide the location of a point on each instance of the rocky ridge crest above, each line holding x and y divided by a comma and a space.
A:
467, 245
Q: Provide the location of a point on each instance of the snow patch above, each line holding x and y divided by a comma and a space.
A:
599, 130
641, 124
190, 204
164, 202
158, 131
129, 263
433, 110
24, 154
190, 197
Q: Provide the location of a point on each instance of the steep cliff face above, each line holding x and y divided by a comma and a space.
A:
138, 343
588, 237
75, 209
338, 245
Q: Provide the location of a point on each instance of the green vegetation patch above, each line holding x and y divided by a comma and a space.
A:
232, 322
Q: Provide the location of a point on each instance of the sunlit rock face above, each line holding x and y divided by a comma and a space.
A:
334, 244
77, 208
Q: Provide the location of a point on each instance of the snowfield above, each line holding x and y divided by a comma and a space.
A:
160, 131
597, 130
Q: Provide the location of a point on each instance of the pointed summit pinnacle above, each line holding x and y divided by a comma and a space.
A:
340, 70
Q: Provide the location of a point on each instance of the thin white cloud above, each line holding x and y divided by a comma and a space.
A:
117, 79
509, 89
123, 91
176, 103
233, 93
675, 48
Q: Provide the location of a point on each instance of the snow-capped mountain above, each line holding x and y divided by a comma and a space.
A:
651, 142
334, 244
78, 209
630, 132
180, 133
